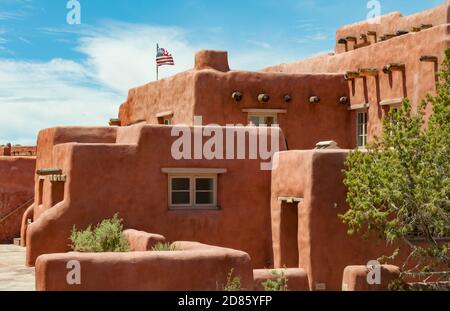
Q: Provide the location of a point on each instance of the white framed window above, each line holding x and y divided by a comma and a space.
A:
260, 117
361, 128
268, 119
167, 121
196, 191
180, 190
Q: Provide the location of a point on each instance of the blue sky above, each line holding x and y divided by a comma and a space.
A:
52, 73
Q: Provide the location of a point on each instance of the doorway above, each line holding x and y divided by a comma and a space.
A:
289, 234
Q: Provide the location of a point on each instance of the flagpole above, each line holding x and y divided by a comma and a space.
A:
157, 68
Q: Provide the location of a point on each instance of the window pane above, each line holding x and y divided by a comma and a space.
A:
254, 120
269, 121
204, 198
204, 184
362, 129
180, 184
181, 198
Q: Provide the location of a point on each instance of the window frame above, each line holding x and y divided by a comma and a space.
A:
261, 115
171, 178
365, 132
193, 192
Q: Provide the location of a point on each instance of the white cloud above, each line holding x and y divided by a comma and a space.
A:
260, 44
310, 30
2, 39
40, 95
123, 55
118, 56
8, 15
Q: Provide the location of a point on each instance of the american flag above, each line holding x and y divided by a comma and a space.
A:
164, 58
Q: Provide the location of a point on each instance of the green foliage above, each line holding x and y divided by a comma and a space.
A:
105, 237
164, 247
280, 284
400, 187
233, 283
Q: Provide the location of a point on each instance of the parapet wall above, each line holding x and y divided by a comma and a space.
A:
17, 151
170, 95
192, 267
379, 91
48, 138
308, 195
127, 178
390, 24
16, 193
207, 93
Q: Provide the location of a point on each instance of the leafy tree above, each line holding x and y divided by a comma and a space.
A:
400, 186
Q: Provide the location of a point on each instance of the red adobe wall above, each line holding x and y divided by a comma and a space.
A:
310, 235
5, 151
304, 124
126, 177
391, 23
48, 138
207, 92
17, 151
23, 151
171, 94
415, 82
192, 267
16, 189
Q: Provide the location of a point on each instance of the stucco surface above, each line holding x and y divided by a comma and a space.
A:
140, 241
119, 169
391, 23
310, 234
126, 178
16, 189
296, 279
414, 82
355, 278
142, 271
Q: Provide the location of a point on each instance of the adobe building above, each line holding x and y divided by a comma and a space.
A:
284, 217
17, 171
222, 97
383, 64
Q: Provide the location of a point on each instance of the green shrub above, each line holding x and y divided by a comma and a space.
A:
107, 236
164, 247
280, 284
233, 283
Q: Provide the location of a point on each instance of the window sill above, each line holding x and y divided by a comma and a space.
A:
193, 208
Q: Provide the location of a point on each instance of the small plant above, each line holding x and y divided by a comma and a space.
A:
107, 236
233, 283
280, 284
164, 247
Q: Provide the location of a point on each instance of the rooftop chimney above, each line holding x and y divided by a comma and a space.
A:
208, 59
